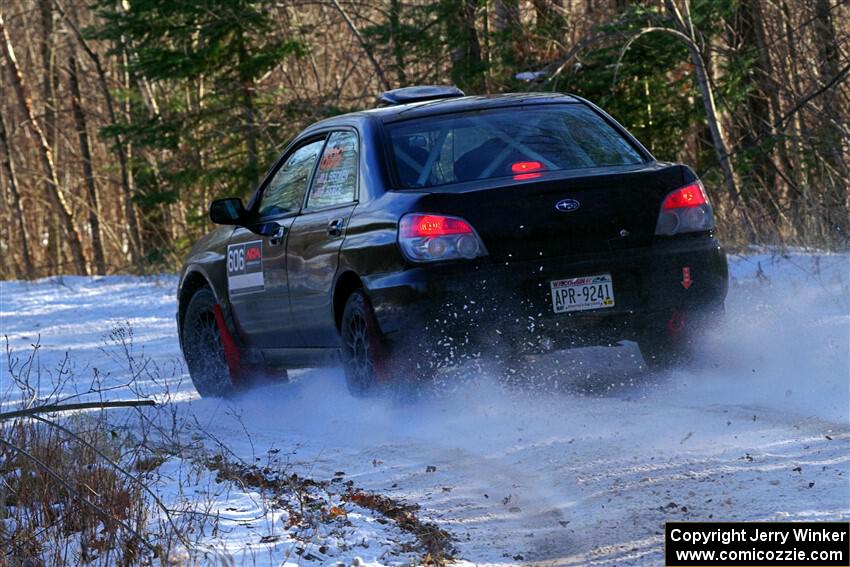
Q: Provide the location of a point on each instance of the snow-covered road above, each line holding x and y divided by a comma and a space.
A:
582, 471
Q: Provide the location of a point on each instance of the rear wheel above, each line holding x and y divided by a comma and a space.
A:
662, 352
202, 347
674, 343
364, 356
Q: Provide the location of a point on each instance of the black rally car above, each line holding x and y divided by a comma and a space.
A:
440, 226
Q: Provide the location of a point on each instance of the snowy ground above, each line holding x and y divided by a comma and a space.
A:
585, 471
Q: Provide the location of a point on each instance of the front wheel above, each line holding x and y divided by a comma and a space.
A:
202, 347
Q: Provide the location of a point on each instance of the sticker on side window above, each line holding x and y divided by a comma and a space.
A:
245, 268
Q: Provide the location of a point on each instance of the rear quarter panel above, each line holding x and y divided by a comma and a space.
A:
371, 246
370, 239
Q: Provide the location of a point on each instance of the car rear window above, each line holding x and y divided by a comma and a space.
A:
519, 142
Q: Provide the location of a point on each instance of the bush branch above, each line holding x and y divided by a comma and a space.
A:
53, 408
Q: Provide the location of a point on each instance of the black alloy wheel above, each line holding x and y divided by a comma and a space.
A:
363, 352
669, 345
203, 349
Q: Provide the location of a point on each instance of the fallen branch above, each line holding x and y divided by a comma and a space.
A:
53, 408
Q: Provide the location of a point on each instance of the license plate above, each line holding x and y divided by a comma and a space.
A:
581, 294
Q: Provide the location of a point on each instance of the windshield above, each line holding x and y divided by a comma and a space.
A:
519, 142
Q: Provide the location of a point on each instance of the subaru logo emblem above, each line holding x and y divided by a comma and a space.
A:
567, 205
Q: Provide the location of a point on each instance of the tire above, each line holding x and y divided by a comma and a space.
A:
663, 352
202, 347
674, 344
364, 354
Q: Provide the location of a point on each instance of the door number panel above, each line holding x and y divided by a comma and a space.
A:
245, 268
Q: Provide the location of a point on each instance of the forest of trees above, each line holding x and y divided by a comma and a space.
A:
121, 119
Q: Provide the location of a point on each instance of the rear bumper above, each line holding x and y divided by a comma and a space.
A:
484, 303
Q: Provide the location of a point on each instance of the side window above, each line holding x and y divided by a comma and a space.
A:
285, 191
336, 177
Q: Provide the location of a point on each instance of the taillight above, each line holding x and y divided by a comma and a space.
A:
432, 238
526, 169
685, 210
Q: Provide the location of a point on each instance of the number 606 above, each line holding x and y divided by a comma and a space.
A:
236, 260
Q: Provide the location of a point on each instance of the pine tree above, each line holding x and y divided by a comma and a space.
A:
196, 114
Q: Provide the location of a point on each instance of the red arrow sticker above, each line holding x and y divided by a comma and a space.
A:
686, 277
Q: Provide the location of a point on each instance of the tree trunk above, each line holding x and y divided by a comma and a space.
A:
249, 117
717, 136
685, 26
17, 209
367, 49
467, 69
835, 203
799, 201
506, 27
766, 78
10, 268
49, 86
48, 78
120, 149
398, 48
45, 155
757, 119
828, 54
85, 154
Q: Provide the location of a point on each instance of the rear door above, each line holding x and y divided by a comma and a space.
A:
315, 240
256, 265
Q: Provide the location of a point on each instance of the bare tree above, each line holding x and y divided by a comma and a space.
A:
17, 212
467, 61
85, 154
119, 147
97, 149
684, 31
367, 49
45, 154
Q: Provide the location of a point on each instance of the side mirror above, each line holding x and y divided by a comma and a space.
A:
228, 211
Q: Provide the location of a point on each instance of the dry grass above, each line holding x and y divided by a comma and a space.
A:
75, 488
84, 488
62, 504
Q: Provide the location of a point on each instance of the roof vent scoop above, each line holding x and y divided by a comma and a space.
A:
422, 93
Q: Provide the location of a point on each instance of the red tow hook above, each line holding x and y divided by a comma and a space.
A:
231, 351
677, 322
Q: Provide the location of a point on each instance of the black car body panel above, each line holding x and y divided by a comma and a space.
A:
512, 298
521, 221
310, 267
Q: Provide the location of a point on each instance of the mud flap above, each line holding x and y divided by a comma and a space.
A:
231, 351
677, 322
